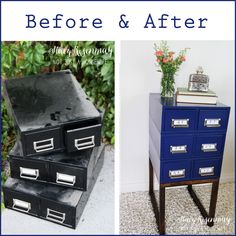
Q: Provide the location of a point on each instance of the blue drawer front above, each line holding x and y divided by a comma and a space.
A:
175, 171
212, 120
176, 120
177, 146
206, 169
209, 145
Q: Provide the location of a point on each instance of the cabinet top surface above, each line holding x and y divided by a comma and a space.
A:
51, 98
171, 102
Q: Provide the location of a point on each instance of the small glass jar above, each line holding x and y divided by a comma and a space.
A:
198, 82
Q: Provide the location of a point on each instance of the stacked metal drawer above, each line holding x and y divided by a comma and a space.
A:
186, 142
58, 155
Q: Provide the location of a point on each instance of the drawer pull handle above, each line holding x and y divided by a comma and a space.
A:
84, 143
56, 216
209, 147
180, 123
212, 123
20, 205
178, 149
65, 179
175, 174
27, 173
206, 171
43, 145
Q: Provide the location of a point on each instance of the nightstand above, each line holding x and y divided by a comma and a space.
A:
186, 146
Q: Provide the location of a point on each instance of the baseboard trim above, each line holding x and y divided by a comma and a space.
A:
227, 178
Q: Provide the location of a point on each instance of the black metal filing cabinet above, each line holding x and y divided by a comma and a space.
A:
57, 204
74, 170
186, 146
52, 113
58, 154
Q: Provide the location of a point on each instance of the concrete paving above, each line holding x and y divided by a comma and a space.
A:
97, 218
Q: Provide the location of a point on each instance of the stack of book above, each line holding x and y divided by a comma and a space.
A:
183, 95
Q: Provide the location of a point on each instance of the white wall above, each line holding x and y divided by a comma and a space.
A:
138, 77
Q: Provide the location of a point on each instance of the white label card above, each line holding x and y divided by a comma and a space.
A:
209, 146
206, 170
212, 121
175, 173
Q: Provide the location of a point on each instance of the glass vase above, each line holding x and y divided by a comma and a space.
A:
167, 85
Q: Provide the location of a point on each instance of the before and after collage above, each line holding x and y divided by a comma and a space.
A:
128, 137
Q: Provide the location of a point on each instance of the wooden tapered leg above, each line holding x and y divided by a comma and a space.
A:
162, 210
159, 215
197, 201
209, 217
150, 177
212, 209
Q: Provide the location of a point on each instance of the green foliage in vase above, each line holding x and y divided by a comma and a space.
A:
91, 62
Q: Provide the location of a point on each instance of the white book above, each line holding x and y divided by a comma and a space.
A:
184, 96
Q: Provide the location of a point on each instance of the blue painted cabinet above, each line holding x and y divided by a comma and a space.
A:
186, 142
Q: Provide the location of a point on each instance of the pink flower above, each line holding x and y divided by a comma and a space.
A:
183, 58
171, 54
158, 60
165, 60
159, 53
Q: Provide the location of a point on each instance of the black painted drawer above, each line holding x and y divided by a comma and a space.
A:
83, 138
51, 105
69, 176
71, 170
59, 211
42, 141
54, 203
17, 200
28, 169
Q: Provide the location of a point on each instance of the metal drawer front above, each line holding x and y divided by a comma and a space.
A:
68, 176
175, 171
28, 169
58, 213
176, 120
176, 146
43, 142
209, 145
83, 138
212, 119
203, 169
21, 202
